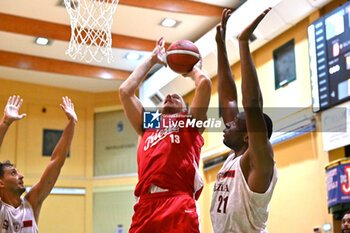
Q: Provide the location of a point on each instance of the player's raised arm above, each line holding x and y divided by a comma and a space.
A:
259, 150
42, 189
11, 114
200, 102
127, 92
226, 84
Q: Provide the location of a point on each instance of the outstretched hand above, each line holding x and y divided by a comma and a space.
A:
12, 108
159, 52
221, 28
248, 31
68, 108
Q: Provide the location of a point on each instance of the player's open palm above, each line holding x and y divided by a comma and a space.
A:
221, 28
159, 52
248, 31
68, 108
12, 108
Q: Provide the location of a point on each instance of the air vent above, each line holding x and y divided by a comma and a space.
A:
252, 38
73, 4
156, 99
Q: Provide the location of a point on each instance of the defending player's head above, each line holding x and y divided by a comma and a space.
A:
11, 180
236, 135
345, 222
173, 103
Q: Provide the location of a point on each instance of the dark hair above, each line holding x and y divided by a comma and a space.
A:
7, 163
267, 119
269, 125
347, 212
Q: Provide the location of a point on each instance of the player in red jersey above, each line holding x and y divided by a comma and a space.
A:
167, 157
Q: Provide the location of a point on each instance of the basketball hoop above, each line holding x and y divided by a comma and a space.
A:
91, 22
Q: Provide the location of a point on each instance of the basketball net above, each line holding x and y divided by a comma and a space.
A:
91, 22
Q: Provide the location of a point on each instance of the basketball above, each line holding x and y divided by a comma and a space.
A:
182, 55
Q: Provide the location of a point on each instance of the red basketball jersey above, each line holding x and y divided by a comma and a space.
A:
168, 157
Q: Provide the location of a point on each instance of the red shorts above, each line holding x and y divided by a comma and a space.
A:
165, 212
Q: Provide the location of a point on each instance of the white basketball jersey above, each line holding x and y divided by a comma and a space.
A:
17, 220
234, 207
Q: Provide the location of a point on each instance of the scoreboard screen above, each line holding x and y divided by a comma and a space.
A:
329, 52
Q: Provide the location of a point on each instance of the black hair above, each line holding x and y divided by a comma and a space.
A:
347, 212
269, 125
267, 119
7, 163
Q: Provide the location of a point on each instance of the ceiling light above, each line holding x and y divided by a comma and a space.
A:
170, 23
106, 75
41, 41
132, 56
